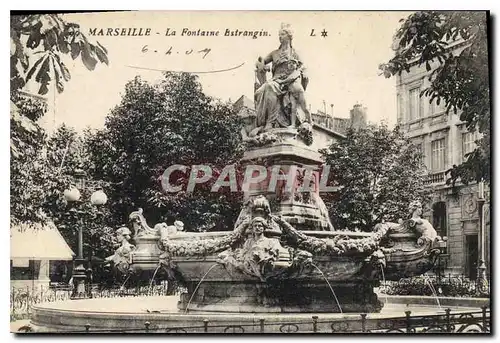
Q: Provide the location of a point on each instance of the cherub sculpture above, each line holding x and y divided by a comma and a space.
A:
121, 259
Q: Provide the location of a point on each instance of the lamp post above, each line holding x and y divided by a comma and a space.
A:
482, 281
73, 195
442, 244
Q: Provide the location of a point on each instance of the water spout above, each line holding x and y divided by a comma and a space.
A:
122, 287
198, 285
152, 279
385, 286
433, 290
328, 283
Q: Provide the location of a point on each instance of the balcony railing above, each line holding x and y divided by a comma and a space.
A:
435, 178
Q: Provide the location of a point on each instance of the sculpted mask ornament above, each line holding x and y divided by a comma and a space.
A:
258, 256
179, 225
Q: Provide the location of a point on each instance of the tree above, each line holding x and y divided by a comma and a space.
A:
378, 172
38, 180
38, 44
66, 152
28, 170
154, 127
454, 46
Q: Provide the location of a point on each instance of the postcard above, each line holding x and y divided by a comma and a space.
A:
250, 172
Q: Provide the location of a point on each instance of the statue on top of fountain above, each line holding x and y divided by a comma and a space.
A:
280, 101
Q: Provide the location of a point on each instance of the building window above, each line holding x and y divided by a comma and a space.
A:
468, 143
415, 104
438, 151
419, 147
439, 218
400, 109
435, 108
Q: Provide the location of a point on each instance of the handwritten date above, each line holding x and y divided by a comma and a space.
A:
170, 51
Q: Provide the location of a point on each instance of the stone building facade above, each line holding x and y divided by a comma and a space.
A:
356, 119
444, 141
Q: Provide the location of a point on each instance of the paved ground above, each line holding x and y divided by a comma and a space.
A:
118, 304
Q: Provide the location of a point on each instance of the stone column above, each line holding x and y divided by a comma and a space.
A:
43, 277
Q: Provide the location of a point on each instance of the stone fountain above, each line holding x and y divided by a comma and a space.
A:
267, 265
283, 255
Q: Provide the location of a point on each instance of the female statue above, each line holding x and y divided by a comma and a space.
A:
280, 101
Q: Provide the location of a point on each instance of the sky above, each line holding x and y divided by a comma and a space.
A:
342, 66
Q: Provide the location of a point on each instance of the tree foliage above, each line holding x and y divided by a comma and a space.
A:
454, 48
159, 125
42, 167
38, 42
67, 151
378, 173
38, 180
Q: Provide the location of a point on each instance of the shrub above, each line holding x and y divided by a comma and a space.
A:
456, 286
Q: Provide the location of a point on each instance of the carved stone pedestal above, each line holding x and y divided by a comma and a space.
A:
302, 208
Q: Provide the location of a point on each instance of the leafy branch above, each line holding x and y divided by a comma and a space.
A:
453, 46
37, 44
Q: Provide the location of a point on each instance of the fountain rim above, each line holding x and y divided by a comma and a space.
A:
319, 234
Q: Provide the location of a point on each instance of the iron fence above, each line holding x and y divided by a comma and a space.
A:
448, 322
22, 300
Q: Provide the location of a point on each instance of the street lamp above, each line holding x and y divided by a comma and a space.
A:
73, 195
442, 245
482, 281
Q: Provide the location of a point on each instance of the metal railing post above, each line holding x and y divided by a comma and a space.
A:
29, 299
448, 321
363, 322
408, 322
483, 308
315, 323
261, 323
13, 301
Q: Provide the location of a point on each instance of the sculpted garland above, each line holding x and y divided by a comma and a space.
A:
248, 250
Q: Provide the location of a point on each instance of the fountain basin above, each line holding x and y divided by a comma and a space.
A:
130, 314
311, 287
408, 258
